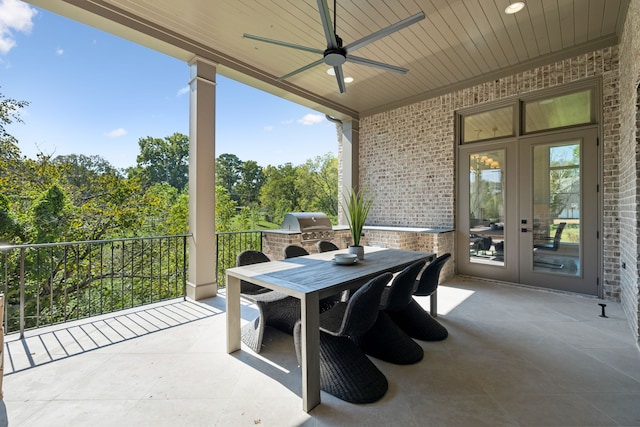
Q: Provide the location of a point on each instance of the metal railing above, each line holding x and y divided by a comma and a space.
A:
229, 245
51, 283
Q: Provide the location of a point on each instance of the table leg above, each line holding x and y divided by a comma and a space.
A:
233, 314
310, 351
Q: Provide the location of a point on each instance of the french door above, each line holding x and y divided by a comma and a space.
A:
528, 211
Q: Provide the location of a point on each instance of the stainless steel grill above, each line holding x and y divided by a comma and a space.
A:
311, 225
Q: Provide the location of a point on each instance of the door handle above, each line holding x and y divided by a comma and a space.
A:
524, 230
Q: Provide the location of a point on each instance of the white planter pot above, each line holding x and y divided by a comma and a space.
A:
358, 250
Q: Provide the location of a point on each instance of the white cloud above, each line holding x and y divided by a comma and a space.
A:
287, 122
183, 91
59, 51
311, 119
268, 128
116, 133
14, 16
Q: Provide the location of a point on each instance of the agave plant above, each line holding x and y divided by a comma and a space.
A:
357, 206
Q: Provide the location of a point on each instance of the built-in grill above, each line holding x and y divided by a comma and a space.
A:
311, 225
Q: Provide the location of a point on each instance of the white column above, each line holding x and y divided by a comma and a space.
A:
350, 153
201, 282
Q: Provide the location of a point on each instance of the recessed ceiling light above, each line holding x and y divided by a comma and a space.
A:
514, 7
348, 79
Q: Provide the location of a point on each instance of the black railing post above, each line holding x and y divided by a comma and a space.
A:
21, 293
184, 268
218, 258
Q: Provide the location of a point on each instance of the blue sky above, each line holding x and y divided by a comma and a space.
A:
93, 93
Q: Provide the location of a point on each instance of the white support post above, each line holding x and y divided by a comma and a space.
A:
349, 152
201, 282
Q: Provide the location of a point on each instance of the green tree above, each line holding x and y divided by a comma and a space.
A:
10, 231
163, 160
9, 151
251, 180
225, 209
51, 216
155, 206
228, 173
178, 219
279, 193
564, 178
9, 113
317, 184
79, 169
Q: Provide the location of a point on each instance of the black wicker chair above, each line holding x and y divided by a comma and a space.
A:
385, 340
552, 243
275, 309
293, 251
326, 246
414, 320
345, 371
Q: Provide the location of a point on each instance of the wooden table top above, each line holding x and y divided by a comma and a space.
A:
319, 273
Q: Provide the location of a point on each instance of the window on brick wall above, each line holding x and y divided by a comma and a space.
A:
558, 111
535, 112
488, 125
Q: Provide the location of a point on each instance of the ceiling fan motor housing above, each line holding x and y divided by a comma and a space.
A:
335, 56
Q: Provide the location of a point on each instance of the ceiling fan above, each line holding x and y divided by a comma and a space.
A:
335, 54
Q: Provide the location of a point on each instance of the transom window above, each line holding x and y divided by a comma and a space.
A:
557, 112
533, 113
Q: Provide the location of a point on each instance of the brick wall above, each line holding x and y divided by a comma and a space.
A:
438, 243
408, 154
629, 199
274, 242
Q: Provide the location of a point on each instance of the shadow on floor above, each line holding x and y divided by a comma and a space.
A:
48, 344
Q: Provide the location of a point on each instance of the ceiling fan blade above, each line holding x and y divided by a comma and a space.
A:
325, 17
340, 78
376, 64
299, 70
285, 44
384, 32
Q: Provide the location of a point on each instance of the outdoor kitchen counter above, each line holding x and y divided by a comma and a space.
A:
375, 227
426, 239
409, 229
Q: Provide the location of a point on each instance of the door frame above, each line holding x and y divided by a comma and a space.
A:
511, 270
508, 272
590, 242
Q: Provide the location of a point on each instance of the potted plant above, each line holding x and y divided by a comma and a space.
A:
356, 207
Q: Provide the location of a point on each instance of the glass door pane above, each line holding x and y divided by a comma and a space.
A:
556, 208
487, 207
559, 237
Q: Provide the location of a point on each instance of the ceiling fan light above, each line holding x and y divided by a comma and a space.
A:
514, 8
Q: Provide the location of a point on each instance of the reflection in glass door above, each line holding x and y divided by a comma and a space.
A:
528, 211
559, 243
556, 208
487, 229
486, 207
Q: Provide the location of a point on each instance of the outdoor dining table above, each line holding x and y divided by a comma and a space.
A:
311, 278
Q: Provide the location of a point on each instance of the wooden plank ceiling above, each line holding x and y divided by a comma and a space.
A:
459, 43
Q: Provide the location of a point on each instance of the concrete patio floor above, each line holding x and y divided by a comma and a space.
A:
514, 357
